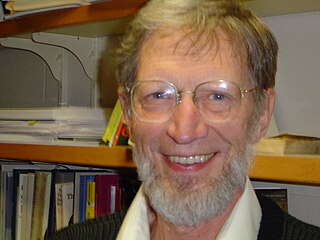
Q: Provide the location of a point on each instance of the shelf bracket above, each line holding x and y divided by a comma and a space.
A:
84, 48
52, 55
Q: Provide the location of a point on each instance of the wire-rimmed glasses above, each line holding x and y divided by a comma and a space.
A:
216, 100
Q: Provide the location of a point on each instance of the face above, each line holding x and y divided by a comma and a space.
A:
187, 194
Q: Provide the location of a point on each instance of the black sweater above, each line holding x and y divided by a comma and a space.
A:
275, 225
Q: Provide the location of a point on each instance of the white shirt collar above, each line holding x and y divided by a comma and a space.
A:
135, 225
243, 223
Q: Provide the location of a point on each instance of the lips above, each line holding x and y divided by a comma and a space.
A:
188, 160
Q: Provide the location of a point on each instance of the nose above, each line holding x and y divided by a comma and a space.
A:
186, 124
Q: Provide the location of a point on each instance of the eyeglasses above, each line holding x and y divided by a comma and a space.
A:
154, 100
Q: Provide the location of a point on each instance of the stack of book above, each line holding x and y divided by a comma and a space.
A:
116, 132
17, 8
285, 143
54, 126
38, 199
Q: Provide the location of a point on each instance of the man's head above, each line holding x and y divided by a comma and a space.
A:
196, 85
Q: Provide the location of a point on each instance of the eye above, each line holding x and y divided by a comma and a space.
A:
158, 98
158, 95
217, 96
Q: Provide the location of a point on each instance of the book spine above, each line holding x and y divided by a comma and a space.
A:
58, 206
108, 135
9, 206
20, 205
90, 202
29, 206
122, 135
38, 205
46, 204
82, 198
67, 203
2, 200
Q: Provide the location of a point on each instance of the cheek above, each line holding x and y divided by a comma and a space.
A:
236, 133
147, 136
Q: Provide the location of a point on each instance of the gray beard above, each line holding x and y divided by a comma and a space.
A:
182, 206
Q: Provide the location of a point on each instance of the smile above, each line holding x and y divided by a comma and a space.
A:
190, 159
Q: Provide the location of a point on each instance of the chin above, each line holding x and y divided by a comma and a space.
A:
188, 200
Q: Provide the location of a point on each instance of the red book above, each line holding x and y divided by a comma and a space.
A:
106, 194
122, 135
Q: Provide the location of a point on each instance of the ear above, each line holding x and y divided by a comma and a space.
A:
124, 106
265, 117
127, 114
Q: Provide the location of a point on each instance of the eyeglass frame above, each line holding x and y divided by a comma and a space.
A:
178, 93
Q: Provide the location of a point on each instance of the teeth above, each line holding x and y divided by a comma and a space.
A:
190, 159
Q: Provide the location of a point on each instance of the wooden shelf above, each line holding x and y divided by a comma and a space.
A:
101, 11
300, 169
119, 157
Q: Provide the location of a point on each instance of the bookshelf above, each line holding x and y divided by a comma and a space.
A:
299, 169
100, 11
293, 168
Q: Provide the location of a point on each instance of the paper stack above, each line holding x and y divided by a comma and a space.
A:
24, 7
54, 126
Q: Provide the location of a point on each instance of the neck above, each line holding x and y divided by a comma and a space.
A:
208, 229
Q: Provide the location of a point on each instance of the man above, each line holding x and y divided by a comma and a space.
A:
197, 89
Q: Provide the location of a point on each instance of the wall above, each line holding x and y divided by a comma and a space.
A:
298, 79
297, 108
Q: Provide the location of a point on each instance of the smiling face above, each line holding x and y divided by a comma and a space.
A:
191, 168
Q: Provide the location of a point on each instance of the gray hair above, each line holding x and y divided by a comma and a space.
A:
201, 21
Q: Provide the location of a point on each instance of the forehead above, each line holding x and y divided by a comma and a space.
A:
181, 56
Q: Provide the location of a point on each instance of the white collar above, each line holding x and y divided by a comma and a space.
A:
243, 223
135, 225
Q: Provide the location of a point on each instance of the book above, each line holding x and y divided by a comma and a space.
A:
39, 221
90, 199
80, 180
67, 204
28, 208
288, 144
30, 200
6, 194
58, 206
59, 177
122, 134
112, 125
105, 194
7, 232
278, 195
81, 208
20, 204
